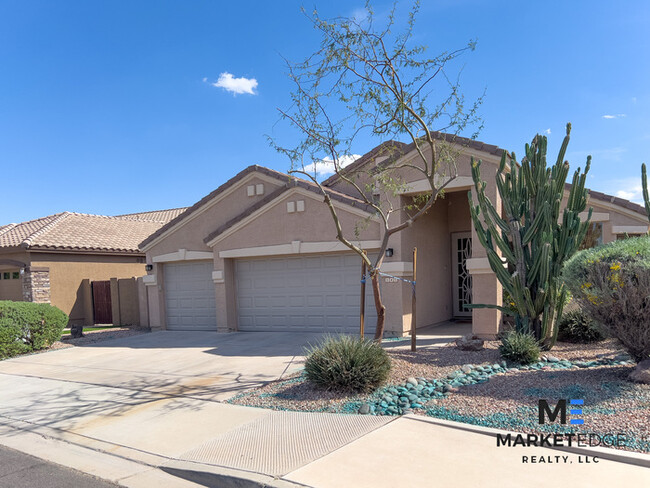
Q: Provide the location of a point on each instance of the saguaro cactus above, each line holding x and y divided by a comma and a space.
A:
646, 196
528, 245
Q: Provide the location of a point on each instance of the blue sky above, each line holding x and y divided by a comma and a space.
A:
104, 108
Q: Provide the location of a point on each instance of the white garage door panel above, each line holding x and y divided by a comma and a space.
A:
190, 296
315, 293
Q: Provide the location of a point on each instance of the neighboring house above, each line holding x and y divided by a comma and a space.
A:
260, 253
48, 259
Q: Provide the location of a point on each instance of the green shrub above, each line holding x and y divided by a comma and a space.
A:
611, 283
347, 363
577, 326
26, 326
519, 347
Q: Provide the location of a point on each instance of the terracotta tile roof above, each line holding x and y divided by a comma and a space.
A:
81, 232
395, 149
621, 202
156, 215
285, 178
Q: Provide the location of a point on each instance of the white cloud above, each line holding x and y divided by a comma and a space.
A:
325, 167
234, 85
548, 131
627, 188
614, 116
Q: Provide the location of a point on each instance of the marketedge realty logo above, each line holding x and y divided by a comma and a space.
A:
548, 414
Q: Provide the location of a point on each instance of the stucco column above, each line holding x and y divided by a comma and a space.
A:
486, 289
224, 282
36, 284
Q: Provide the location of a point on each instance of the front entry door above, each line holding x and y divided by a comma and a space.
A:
461, 251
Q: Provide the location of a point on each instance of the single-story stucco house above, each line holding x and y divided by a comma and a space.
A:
260, 253
47, 260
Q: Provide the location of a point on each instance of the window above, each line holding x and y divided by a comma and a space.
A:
15, 275
594, 236
5, 275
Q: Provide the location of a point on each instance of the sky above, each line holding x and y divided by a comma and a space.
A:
112, 107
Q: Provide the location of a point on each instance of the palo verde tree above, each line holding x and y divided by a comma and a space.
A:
369, 79
528, 245
646, 195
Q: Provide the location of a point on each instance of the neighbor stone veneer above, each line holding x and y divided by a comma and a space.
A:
36, 285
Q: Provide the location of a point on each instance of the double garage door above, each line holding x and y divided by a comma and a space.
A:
318, 293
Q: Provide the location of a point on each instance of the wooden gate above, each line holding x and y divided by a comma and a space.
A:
102, 306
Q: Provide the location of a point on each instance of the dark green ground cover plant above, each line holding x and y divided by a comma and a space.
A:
578, 326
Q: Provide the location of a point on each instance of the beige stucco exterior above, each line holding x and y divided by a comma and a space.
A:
67, 271
237, 225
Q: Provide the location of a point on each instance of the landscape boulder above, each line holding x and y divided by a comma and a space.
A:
641, 374
470, 342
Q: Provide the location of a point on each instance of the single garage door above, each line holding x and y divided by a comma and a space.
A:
190, 296
318, 293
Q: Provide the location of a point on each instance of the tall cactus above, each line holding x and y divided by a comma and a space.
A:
646, 196
527, 246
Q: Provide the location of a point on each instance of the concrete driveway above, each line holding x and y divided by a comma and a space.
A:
146, 411
195, 364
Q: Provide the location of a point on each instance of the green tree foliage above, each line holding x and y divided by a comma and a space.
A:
370, 79
534, 236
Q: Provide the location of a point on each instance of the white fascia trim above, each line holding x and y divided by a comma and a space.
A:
277, 201
226, 193
183, 255
629, 229
150, 280
398, 268
476, 266
423, 186
296, 247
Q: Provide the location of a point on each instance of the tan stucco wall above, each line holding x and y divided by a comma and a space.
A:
68, 270
191, 234
12, 289
432, 235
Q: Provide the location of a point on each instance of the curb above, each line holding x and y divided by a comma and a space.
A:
620, 456
217, 476
125, 466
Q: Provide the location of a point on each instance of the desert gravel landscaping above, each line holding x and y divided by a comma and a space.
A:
479, 388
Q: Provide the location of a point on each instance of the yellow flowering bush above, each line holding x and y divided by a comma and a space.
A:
611, 283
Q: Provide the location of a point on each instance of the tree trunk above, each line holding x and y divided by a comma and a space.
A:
379, 306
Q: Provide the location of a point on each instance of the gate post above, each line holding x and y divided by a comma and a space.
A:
115, 302
89, 310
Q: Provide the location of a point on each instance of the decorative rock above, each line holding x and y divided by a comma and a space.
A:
470, 342
496, 366
466, 368
364, 409
641, 373
412, 381
552, 359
